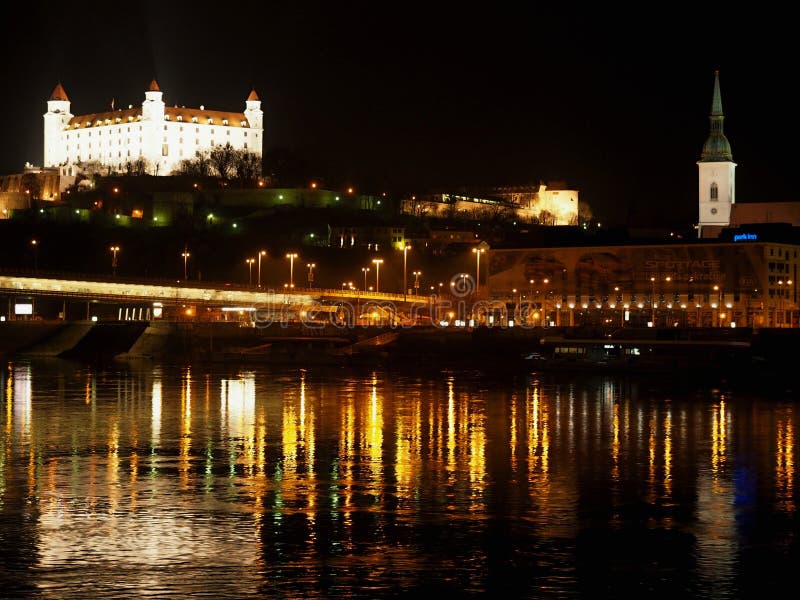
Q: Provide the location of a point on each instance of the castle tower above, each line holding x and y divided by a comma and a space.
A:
55, 120
255, 118
717, 191
152, 122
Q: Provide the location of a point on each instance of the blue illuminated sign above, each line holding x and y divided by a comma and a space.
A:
745, 237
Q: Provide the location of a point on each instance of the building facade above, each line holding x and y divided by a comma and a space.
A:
527, 203
743, 283
160, 135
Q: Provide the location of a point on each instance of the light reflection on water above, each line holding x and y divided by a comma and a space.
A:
168, 482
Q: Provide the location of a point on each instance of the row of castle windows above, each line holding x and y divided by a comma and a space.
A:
119, 131
165, 145
100, 122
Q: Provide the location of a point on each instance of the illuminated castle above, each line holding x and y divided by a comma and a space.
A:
160, 135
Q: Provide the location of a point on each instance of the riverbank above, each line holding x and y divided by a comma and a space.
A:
743, 353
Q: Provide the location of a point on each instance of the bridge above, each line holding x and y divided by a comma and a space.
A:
196, 295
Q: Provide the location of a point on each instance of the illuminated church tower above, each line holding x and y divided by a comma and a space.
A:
717, 171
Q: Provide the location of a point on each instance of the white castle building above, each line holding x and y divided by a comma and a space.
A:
161, 135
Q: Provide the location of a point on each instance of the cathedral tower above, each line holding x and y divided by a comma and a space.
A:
717, 191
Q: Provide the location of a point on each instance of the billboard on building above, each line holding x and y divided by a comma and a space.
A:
599, 270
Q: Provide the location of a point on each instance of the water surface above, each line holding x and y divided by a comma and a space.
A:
167, 481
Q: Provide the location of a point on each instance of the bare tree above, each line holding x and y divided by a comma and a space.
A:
246, 167
222, 159
584, 212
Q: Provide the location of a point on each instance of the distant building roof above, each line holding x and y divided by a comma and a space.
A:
153, 86
253, 95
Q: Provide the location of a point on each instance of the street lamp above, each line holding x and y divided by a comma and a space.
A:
365, 270
781, 283
546, 314
291, 256
185, 255
416, 282
250, 262
406, 248
717, 303
478, 252
377, 262
35, 245
114, 250
653, 301
260, 254
311, 274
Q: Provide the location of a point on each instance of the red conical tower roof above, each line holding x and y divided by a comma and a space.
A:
154, 86
59, 93
253, 95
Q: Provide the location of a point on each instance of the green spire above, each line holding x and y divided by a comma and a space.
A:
717, 148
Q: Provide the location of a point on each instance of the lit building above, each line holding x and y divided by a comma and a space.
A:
746, 282
717, 208
160, 135
542, 204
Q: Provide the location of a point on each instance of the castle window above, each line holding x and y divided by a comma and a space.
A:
179, 118
244, 123
164, 150
180, 140
224, 121
194, 119
196, 142
210, 121
714, 192
76, 125
130, 119
245, 134
117, 120
165, 127
229, 132
166, 118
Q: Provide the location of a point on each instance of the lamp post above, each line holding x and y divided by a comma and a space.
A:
35, 245
260, 254
114, 250
377, 262
365, 270
406, 248
291, 256
716, 304
546, 319
781, 285
311, 274
653, 301
478, 252
416, 282
185, 255
250, 262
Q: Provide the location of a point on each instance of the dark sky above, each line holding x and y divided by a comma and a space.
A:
418, 96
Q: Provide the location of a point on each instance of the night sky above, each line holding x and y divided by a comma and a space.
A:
407, 97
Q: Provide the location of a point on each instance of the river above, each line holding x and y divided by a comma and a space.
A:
148, 480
